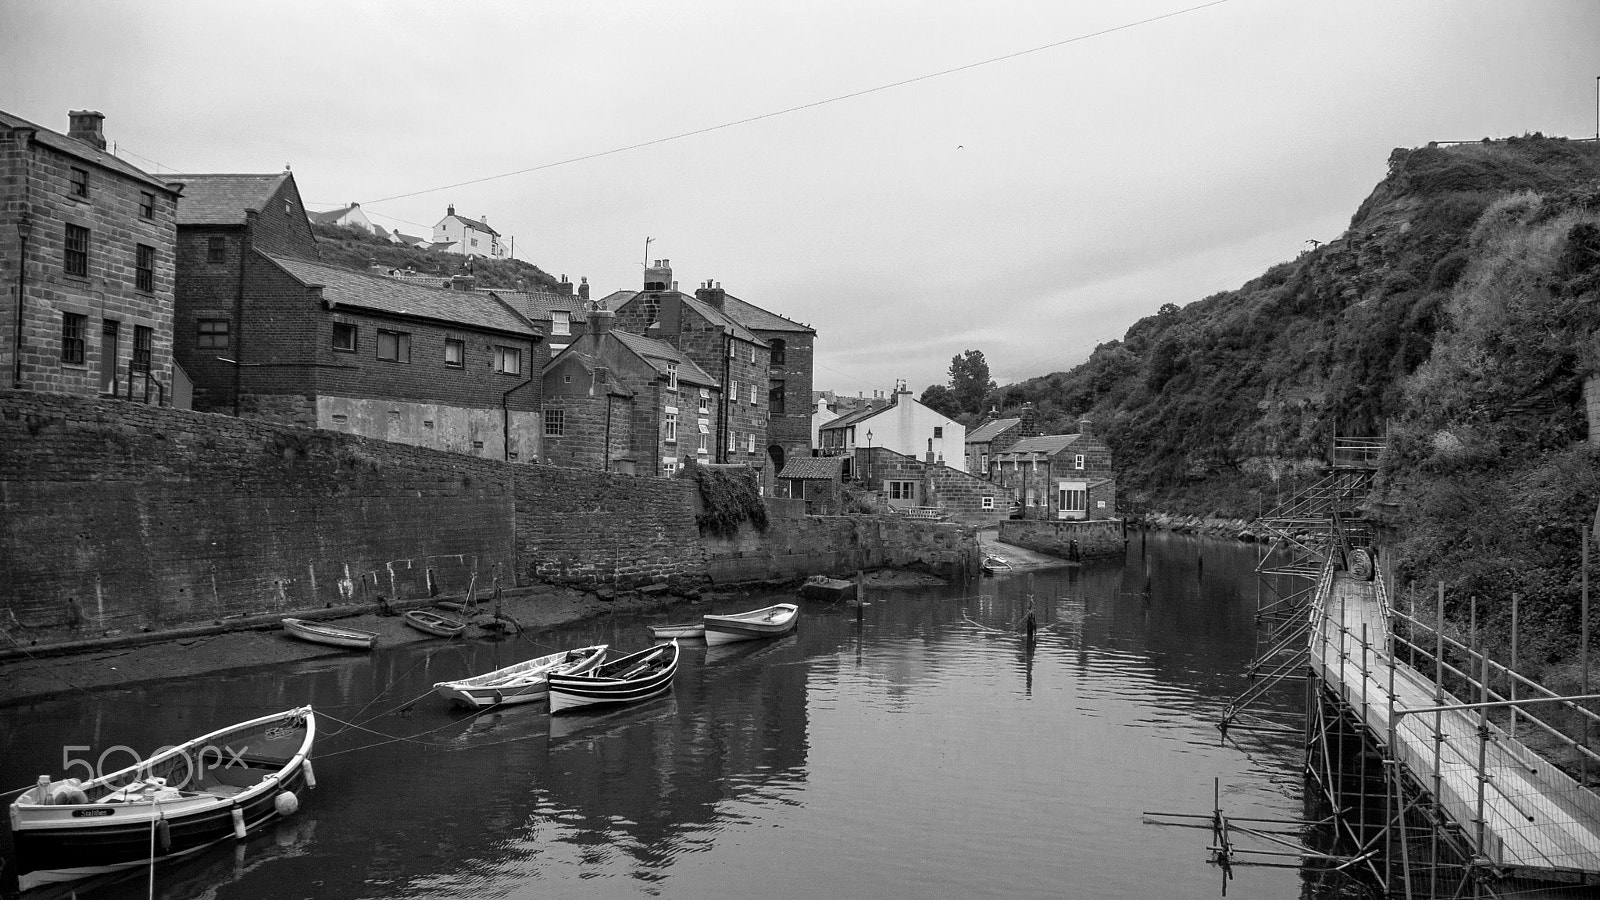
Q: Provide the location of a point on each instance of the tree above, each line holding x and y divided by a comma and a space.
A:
941, 400
969, 381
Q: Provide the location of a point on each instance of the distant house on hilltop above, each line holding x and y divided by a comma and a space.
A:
468, 237
350, 217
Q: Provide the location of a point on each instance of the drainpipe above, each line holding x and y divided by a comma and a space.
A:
24, 231
505, 414
722, 419
605, 451
238, 311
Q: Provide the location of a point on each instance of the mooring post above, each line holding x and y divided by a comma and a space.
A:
861, 594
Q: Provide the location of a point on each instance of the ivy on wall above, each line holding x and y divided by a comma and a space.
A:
729, 495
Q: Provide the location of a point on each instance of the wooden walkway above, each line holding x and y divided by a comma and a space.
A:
1535, 820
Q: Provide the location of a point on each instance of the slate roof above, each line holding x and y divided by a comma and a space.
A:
659, 353
538, 304
329, 217
615, 299
55, 140
397, 297
818, 467
474, 224
713, 315
224, 199
1048, 444
989, 430
854, 417
752, 316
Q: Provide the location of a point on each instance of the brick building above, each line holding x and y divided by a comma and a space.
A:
566, 311
735, 356
87, 261
789, 374
673, 405
1060, 476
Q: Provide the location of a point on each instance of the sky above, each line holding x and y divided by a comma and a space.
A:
911, 178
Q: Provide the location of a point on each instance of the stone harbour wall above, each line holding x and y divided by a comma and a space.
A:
839, 545
1066, 539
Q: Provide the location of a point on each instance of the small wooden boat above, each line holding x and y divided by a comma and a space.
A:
691, 631
332, 635
821, 587
771, 621
523, 682
995, 564
429, 622
635, 677
226, 784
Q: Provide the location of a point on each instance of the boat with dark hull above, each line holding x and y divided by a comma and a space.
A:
524, 682
220, 786
628, 679
768, 622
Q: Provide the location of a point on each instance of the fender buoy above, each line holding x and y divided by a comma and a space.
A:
164, 836
311, 775
238, 823
286, 803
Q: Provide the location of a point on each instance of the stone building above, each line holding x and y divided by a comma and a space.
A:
87, 261
1060, 476
996, 434
673, 406
905, 426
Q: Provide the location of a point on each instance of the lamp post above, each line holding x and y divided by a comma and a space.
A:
869, 459
24, 231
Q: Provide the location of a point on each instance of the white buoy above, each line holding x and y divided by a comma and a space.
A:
286, 803
238, 823
311, 776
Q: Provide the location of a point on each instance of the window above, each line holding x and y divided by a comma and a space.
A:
394, 346
988, 503
80, 182
733, 440
143, 347
344, 337
750, 442
733, 390
705, 401
733, 349
216, 250
76, 256
776, 400
938, 432
779, 350
1073, 499
455, 353
508, 360
147, 205
560, 321
555, 422
211, 334
672, 428
145, 268
288, 207
1077, 461
72, 336
752, 352
474, 242
901, 490
672, 376
705, 439
752, 395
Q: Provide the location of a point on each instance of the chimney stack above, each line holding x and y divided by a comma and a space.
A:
600, 321
711, 296
86, 125
463, 283
1083, 424
565, 287
1029, 426
583, 288
450, 210
658, 276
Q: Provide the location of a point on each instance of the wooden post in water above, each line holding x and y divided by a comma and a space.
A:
861, 594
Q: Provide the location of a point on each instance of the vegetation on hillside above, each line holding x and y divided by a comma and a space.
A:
357, 248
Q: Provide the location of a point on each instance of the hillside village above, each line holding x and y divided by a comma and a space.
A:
212, 292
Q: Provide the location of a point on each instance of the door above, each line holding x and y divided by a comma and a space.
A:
108, 356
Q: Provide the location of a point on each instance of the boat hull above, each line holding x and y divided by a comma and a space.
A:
604, 687
525, 682
771, 622
695, 631
68, 841
434, 624
331, 635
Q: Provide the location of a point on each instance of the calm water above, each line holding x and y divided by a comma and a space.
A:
924, 753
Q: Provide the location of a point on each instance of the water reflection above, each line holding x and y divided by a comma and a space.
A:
924, 749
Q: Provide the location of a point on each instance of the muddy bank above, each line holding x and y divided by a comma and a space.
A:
33, 671
1238, 529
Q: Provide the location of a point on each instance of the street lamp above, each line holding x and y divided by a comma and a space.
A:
869, 458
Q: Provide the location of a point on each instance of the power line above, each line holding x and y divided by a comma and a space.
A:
812, 105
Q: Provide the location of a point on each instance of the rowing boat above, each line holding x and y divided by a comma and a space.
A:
332, 635
692, 631
523, 682
771, 621
229, 783
437, 624
635, 677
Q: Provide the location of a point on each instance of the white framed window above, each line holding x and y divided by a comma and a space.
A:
671, 428
901, 490
733, 390
752, 395
750, 442
733, 440
560, 321
669, 465
705, 440
988, 503
508, 360
672, 376
455, 353
1077, 461
733, 349
705, 401
752, 352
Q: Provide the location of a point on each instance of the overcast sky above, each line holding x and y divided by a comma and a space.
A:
1146, 152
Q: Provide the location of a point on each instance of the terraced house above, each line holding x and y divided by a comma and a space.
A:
87, 260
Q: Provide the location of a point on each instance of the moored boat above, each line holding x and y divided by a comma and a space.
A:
524, 682
771, 621
993, 565
692, 631
438, 624
332, 635
226, 784
628, 679
821, 587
